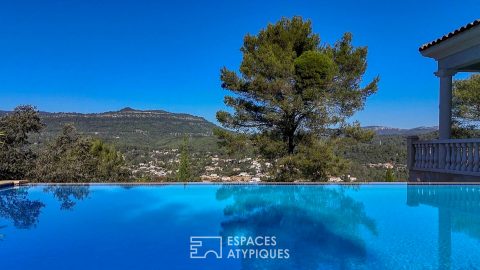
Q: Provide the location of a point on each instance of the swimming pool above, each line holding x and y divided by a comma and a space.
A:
370, 226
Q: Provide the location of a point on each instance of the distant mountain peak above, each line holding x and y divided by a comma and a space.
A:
127, 109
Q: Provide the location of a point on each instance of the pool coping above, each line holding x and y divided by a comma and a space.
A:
245, 183
12, 183
15, 183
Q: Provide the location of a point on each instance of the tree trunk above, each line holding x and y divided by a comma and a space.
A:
291, 145
291, 127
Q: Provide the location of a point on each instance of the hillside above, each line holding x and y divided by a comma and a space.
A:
157, 128
140, 134
130, 128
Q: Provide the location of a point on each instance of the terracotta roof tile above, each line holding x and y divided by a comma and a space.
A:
449, 35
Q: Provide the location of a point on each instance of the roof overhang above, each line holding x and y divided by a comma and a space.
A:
458, 50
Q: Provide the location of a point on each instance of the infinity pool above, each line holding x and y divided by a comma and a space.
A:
240, 227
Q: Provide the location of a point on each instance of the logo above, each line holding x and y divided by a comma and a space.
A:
202, 246
237, 247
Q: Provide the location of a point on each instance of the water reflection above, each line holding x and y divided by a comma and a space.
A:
68, 195
320, 225
458, 210
24, 212
17, 207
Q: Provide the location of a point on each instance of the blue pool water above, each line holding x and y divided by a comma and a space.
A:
282, 227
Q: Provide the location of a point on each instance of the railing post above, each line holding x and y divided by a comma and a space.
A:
429, 155
463, 167
453, 156
421, 151
458, 158
411, 151
448, 156
469, 157
476, 160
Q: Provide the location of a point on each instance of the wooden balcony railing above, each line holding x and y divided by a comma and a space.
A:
460, 156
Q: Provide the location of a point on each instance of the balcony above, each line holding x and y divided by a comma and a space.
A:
444, 160
448, 159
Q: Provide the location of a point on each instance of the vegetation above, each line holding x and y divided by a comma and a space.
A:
292, 98
46, 157
70, 157
132, 129
387, 146
16, 156
291, 101
184, 173
466, 107
73, 158
389, 175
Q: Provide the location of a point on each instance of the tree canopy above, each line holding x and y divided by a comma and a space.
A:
184, 173
71, 157
16, 155
292, 97
466, 106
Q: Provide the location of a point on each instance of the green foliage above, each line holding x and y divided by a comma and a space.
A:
235, 144
381, 149
134, 129
389, 175
316, 162
313, 160
73, 158
16, 155
184, 174
354, 133
467, 98
110, 164
293, 95
314, 70
466, 107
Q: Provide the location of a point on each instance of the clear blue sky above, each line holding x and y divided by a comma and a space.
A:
94, 56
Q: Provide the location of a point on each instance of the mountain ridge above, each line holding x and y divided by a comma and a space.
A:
126, 110
132, 128
142, 126
385, 130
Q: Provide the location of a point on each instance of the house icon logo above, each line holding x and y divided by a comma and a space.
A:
203, 246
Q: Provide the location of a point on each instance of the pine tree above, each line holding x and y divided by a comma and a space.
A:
184, 173
466, 109
389, 175
292, 97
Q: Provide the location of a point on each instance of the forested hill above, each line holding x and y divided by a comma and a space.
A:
138, 134
130, 127
152, 129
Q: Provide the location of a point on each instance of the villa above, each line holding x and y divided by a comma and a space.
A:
448, 159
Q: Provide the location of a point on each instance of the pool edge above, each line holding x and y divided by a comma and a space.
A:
247, 183
12, 183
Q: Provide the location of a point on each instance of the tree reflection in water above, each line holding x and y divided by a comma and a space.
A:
16, 206
24, 213
68, 195
320, 225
